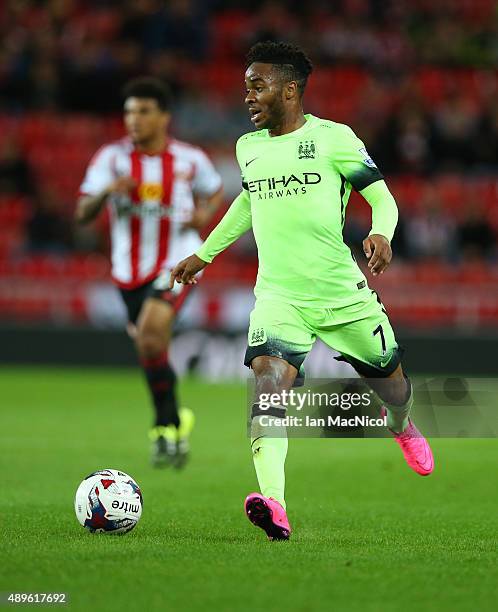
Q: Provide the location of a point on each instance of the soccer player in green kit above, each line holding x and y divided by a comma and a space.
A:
297, 174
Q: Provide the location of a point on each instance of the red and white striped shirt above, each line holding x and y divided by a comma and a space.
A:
146, 227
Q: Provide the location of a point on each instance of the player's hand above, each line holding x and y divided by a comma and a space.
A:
200, 217
131, 330
378, 251
185, 271
122, 185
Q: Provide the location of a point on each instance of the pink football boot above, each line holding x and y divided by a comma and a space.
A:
415, 447
268, 513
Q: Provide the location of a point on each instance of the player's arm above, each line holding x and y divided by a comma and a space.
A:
89, 206
207, 189
377, 245
353, 162
99, 183
237, 221
205, 209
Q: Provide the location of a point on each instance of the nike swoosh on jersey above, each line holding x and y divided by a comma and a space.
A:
250, 161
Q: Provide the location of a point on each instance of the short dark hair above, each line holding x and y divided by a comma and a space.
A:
291, 60
149, 87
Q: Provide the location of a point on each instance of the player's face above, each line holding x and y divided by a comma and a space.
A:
144, 119
264, 95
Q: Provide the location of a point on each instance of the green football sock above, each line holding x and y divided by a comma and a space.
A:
397, 416
269, 450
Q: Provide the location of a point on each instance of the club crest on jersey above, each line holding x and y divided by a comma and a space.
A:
150, 192
366, 158
306, 150
258, 336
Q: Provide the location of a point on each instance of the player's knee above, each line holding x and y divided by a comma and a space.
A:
149, 344
272, 373
268, 368
395, 391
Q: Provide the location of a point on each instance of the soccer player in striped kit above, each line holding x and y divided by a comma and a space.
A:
159, 192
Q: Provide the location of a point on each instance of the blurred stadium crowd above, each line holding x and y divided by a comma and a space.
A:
417, 80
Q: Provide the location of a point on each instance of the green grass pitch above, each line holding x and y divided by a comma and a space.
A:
368, 533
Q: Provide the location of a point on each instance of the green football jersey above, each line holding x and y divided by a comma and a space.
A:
298, 185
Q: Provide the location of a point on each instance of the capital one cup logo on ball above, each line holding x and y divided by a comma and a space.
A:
108, 501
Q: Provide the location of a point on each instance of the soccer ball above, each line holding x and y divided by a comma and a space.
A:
108, 501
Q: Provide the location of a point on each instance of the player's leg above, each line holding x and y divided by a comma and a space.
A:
397, 393
153, 359
395, 390
173, 425
278, 342
273, 375
152, 336
153, 333
363, 335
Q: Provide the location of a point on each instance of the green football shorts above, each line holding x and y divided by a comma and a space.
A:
361, 332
